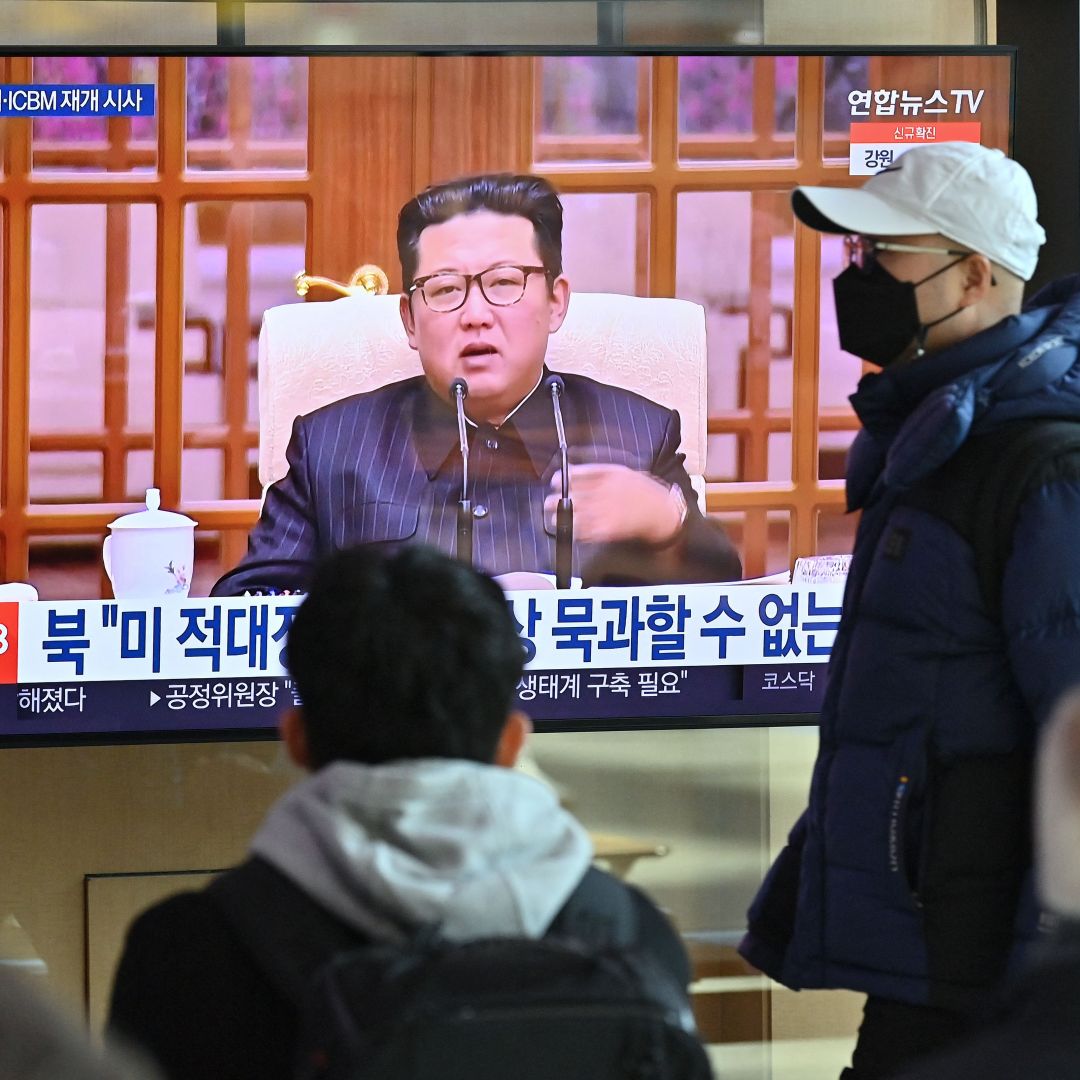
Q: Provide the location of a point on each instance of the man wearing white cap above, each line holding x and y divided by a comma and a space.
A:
908, 877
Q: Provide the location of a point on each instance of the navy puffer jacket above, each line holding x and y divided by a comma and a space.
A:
908, 875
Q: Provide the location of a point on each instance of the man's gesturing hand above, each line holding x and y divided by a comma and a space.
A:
612, 502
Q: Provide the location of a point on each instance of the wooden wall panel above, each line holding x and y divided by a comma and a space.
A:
494, 133
361, 160
397, 127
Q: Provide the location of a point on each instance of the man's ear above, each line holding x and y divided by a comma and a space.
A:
559, 301
294, 735
512, 741
978, 279
405, 311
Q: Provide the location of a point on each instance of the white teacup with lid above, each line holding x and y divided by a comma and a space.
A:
150, 553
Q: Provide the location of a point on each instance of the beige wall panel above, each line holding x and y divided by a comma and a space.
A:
120, 22
859, 22
406, 25
813, 1033
68, 812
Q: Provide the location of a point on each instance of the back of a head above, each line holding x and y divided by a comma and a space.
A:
408, 655
1057, 803
40, 1042
524, 195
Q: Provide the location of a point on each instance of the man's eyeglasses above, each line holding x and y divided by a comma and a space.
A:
862, 251
500, 285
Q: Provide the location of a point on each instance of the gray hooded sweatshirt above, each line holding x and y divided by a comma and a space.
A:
476, 849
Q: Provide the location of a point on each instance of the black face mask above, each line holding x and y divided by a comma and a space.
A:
878, 316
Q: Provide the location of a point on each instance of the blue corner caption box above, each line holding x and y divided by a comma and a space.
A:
89, 100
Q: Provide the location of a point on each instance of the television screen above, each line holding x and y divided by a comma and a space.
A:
156, 207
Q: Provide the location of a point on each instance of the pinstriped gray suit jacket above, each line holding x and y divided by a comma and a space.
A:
384, 467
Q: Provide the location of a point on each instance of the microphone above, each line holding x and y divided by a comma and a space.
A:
564, 513
459, 389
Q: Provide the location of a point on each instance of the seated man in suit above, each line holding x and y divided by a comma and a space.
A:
412, 816
482, 261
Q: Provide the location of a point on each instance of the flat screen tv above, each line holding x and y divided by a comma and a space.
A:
154, 207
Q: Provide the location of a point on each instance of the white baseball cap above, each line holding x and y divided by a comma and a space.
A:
971, 194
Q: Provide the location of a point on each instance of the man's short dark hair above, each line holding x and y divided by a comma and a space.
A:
406, 655
526, 196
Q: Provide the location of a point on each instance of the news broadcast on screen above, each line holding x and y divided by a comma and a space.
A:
233, 363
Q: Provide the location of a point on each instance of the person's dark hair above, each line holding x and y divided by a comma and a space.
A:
406, 655
526, 196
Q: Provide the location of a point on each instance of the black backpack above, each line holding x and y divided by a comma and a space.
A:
507, 1008
980, 489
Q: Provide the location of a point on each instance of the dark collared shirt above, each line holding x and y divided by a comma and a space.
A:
510, 471
525, 442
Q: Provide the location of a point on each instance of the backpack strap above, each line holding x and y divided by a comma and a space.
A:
291, 936
601, 911
1046, 452
288, 934
980, 489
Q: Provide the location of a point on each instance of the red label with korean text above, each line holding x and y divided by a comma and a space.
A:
917, 131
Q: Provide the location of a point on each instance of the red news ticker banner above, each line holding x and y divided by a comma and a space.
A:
9, 643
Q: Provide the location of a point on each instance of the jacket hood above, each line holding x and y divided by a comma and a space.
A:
476, 849
916, 417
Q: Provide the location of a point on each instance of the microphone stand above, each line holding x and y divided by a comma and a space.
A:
564, 513
460, 389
